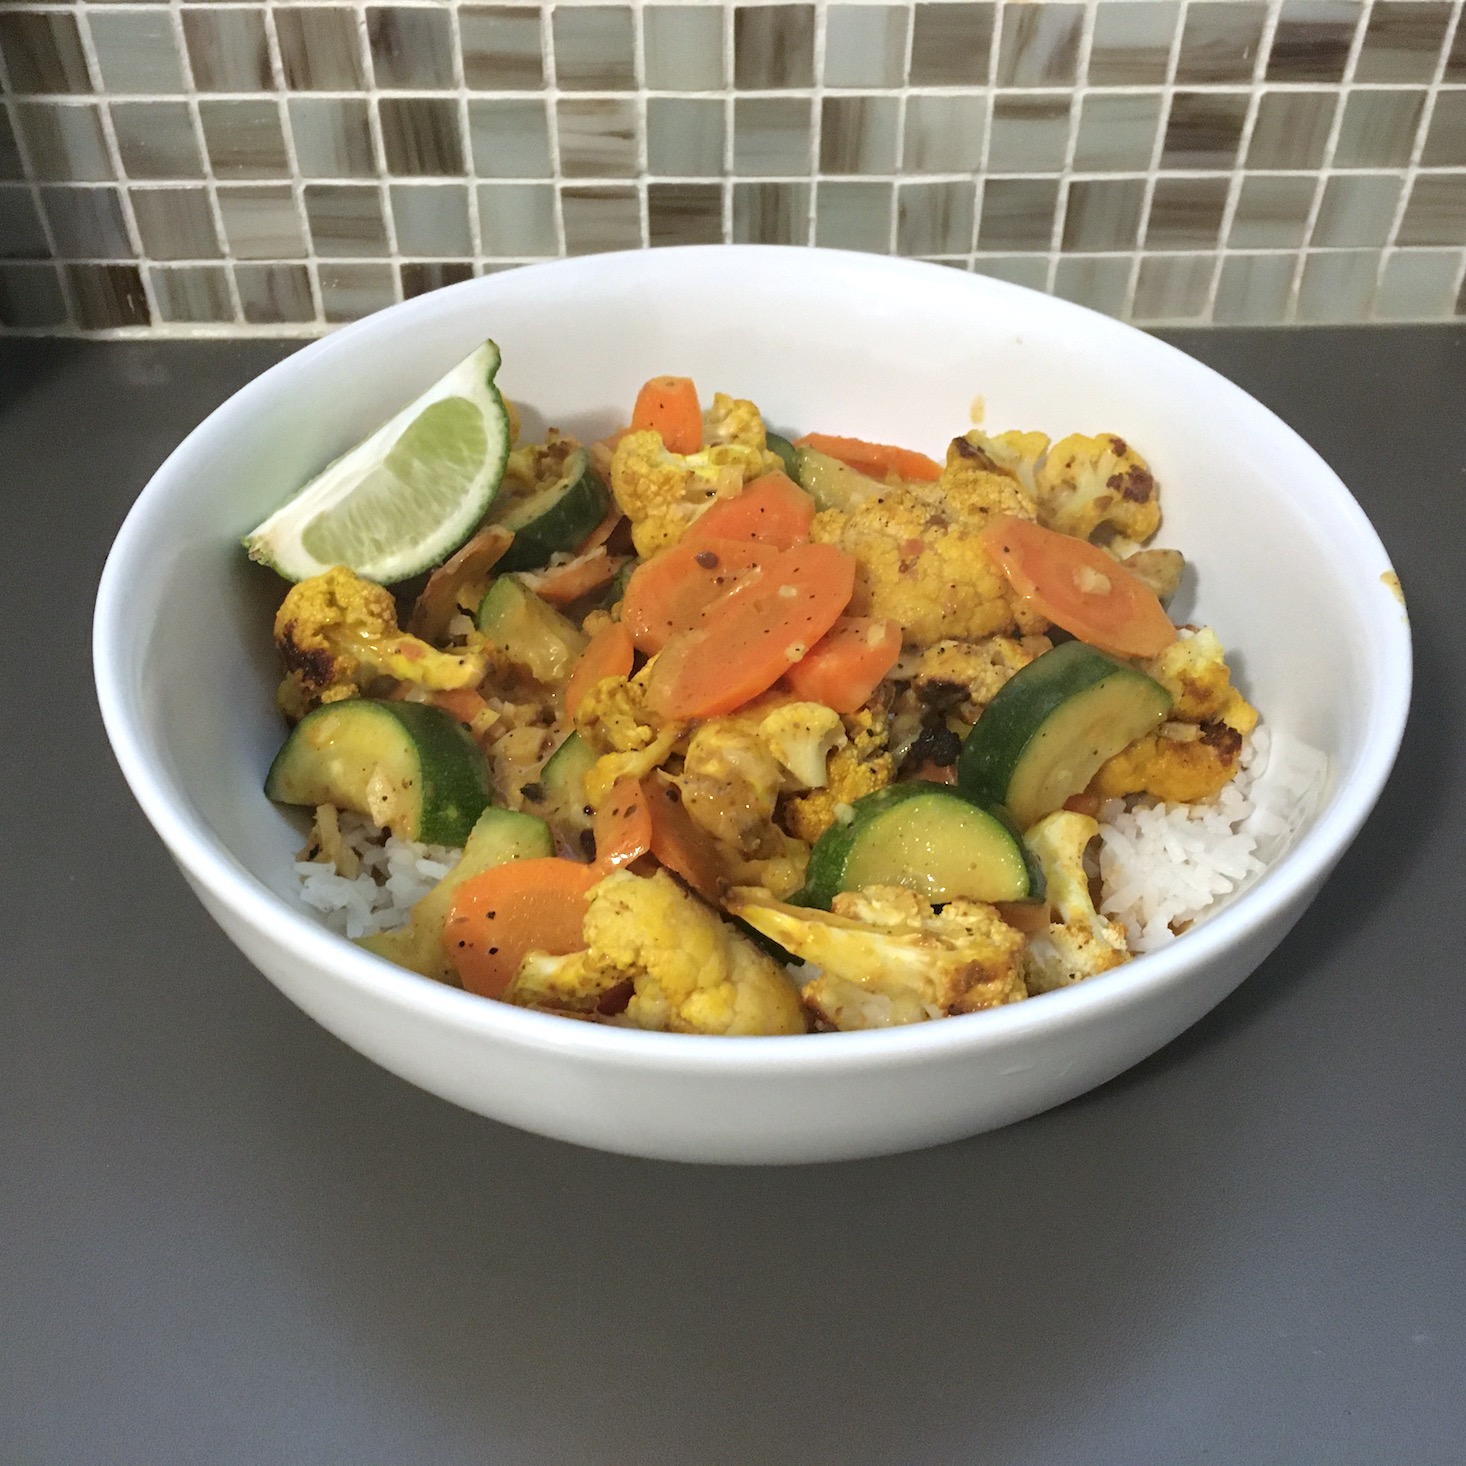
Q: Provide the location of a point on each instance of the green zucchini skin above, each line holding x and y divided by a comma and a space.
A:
406, 765
788, 453
556, 518
560, 796
528, 630
930, 838
1044, 736
830, 483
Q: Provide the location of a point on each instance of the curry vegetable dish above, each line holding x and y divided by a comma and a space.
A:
704, 729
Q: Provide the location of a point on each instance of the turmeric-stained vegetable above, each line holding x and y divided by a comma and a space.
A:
668, 406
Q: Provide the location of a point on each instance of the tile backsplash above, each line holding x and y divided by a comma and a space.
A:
233, 166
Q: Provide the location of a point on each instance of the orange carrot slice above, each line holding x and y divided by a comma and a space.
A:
561, 584
609, 653
746, 640
773, 510
462, 703
669, 406
875, 460
522, 906
845, 666
668, 593
1079, 587
623, 824
680, 843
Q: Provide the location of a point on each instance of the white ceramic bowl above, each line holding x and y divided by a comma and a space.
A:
1289, 572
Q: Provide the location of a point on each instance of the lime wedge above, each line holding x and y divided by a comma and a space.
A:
405, 498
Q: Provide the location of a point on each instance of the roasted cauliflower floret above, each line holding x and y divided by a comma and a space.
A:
886, 957
336, 632
730, 784
1193, 669
689, 971
662, 493
1081, 942
1160, 570
802, 736
919, 562
965, 676
860, 766
1086, 483
614, 719
1015, 453
734, 420
1181, 763
975, 483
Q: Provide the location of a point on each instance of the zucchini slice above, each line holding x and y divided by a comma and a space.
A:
560, 795
788, 453
1044, 736
832, 484
405, 765
499, 835
556, 518
929, 838
529, 631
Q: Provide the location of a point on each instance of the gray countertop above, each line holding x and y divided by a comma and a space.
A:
225, 1237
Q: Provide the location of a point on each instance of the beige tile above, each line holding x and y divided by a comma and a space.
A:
1017, 213
192, 293
502, 47
1253, 290
865, 45
510, 137
598, 137
944, 133
517, 219
1030, 133
1378, 129
770, 213
351, 291
601, 219
683, 47
1173, 287
175, 223
595, 48
1132, 42
1039, 45
685, 136
772, 135
684, 213
1357, 209
1337, 286
319, 49
1272, 210
261, 222
411, 47
934, 218
1100, 282
244, 139
1219, 42
1291, 129
1117, 132
853, 214
773, 46
1418, 285
273, 294
65, 142
1103, 214
858, 134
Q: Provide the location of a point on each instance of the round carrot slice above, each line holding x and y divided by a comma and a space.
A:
609, 653
623, 824
669, 406
1079, 587
669, 592
773, 510
846, 665
874, 460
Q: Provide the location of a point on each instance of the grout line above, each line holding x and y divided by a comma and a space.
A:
550, 91
816, 127
1071, 143
903, 94
465, 142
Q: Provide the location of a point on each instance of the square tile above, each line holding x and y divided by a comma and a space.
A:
411, 48
683, 47
87, 223
1357, 209
244, 139
11, 166
771, 213
510, 137
1132, 42
858, 134
136, 51
261, 222
1204, 129
228, 50
1337, 287
598, 137
319, 48
1272, 210
865, 45
1039, 46
1455, 67
1100, 282
345, 219
1253, 290
432, 219
156, 140
1018, 213
595, 48
191, 293
421, 276
1291, 129
1378, 129
773, 47
1029, 134
1219, 42
30, 297
684, 136
1186, 212
1173, 287
1402, 40
517, 219
1030, 271
349, 292
934, 218
600, 219
951, 44
108, 296
1445, 143
274, 294
1117, 133
1312, 40
175, 223
64, 140
944, 134
22, 234
684, 213
853, 214
1103, 214
772, 134
1418, 285
333, 137
420, 135
1436, 212
42, 53
502, 47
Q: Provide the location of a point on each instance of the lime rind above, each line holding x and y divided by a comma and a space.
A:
405, 497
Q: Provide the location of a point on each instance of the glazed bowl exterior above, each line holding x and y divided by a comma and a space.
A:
1286, 568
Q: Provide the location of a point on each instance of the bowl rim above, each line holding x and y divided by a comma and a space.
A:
206, 860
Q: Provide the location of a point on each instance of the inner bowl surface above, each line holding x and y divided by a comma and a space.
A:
1285, 567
